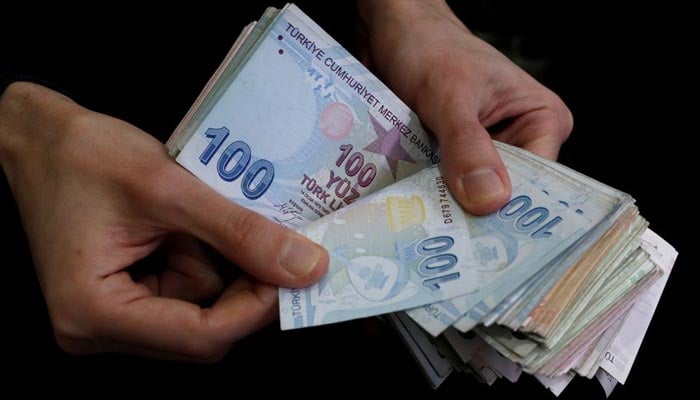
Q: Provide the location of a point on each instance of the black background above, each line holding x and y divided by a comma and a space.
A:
623, 72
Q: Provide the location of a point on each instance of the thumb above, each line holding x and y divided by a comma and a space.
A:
474, 171
264, 249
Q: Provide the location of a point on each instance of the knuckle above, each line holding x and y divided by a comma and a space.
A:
73, 334
68, 140
465, 132
567, 121
159, 185
244, 228
212, 340
466, 140
76, 139
79, 122
156, 190
562, 118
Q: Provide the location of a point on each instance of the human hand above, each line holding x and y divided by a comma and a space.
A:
97, 194
460, 86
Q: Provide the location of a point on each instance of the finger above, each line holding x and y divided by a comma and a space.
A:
540, 131
266, 250
175, 329
474, 171
190, 275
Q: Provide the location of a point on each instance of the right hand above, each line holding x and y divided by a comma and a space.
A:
97, 194
461, 88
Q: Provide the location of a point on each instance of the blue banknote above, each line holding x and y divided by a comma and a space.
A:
302, 128
590, 203
401, 247
508, 246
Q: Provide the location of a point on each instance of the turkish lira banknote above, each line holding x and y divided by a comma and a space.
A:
563, 279
298, 127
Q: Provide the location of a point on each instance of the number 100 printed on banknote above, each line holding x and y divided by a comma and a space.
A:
402, 247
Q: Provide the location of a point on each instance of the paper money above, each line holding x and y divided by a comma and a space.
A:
501, 364
555, 191
464, 344
568, 299
435, 367
616, 298
526, 233
587, 346
600, 203
560, 280
607, 382
555, 385
591, 362
619, 357
598, 354
298, 128
401, 247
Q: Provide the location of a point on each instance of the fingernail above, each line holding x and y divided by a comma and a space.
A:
482, 184
300, 257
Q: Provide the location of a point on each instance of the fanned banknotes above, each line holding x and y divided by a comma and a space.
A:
562, 280
458, 254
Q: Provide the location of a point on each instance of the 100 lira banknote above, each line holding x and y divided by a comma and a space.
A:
401, 247
411, 244
297, 129
302, 128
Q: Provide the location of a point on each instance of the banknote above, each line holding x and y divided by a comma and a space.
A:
607, 382
436, 368
527, 232
566, 301
464, 344
218, 82
525, 251
301, 128
603, 349
295, 128
592, 357
619, 357
401, 247
600, 203
516, 347
556, 385
483, 370
613, 301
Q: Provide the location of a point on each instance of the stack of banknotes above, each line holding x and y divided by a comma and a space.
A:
562, 280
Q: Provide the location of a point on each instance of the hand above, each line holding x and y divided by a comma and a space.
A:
460, 86
97, 194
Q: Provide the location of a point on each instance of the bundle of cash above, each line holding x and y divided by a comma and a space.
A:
562, 280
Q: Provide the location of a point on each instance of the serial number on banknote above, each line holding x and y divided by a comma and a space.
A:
446, 206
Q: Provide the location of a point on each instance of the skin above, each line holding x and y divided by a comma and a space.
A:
459, 85
96, 194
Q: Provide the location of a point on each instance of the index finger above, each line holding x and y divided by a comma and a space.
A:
179, 330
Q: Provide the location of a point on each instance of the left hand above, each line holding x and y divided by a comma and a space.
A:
459, 85
96, 195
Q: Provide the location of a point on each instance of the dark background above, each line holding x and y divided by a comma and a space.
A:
623, 72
